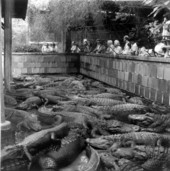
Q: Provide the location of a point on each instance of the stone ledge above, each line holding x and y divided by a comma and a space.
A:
134, 58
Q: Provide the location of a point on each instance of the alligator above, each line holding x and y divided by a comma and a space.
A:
152, 122
52, 92
155, 164
77, 85
151, 164
106, 127
114, 90
105, 95
122, 111
138, 138
144, 152
30, 103
104, 102
51, 85
15, 164
88, 110
24, 85
46, 116
10, 101
52, 99
99, 143
74, 117
92, 92
131, 166
20, 118
33, 141
135, 100
71, 146
129, 139
108, 161
123, 152
21, 94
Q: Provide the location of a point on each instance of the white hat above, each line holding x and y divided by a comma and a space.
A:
116, 42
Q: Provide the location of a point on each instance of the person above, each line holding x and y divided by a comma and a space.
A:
166, 29
134, 48
54, 47
127, 46
143, 52
110, 47
74, 48
86, 46
100, 48
160, 49
118, 48
46, 48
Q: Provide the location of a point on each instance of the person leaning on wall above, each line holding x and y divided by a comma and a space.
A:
134, 48
100, 48
160, 48
117, 48
46, 48
110, 47
86, 46
54, 48
74, 47
127, 46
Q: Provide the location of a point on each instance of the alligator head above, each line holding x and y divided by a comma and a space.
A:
143, 117
99, 143
108, 160
115, 126
33, 123
25, 106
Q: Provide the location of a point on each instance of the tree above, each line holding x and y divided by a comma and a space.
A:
159, 5
61, 16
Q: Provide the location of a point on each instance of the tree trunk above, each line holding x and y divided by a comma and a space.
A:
68, 41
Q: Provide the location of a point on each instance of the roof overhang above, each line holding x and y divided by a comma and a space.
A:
134, 3
19, 8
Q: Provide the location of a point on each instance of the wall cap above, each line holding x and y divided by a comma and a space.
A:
134, 58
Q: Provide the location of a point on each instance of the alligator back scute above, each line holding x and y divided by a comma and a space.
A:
105, 101
16, 164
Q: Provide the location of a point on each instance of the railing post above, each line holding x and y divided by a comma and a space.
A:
5, 125
8, 43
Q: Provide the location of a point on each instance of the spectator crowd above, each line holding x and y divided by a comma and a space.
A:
129, 46
48, 48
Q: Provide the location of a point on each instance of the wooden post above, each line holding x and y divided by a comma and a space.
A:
8, 44
4, 125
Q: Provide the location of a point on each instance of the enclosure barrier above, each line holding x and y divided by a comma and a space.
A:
148, 77
39, 63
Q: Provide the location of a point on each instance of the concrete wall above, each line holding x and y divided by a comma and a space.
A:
145, 76
148, 77
38, 63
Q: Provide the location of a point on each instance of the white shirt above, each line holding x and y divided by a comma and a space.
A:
165, 31
46, 49
159, 48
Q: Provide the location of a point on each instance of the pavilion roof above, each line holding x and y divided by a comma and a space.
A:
19, 8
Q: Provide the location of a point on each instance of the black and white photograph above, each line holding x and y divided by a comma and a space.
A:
85, 85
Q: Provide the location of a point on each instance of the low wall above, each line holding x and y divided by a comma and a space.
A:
38, 63
148, 77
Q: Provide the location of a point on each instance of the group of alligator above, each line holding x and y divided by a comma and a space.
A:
66, 115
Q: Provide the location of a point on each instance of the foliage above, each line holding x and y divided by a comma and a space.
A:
66, 13
63, 14
51, 24
27, 48
159, 5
